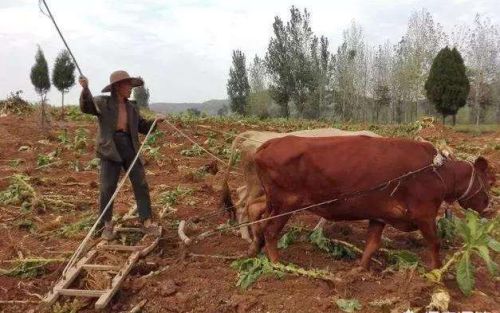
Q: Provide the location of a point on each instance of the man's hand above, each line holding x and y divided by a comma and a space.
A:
159, 118
83, 82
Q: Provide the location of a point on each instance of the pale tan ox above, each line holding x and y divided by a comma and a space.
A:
248, 142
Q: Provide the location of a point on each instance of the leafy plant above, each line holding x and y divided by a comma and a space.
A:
288, 238
170, 197
154, 136
446, 228
249, 270
25, 224
27, 269
15, 162
195, 150
476, 234
336, 250
402, 259
348, 305
71, 230
19, 192
93, 164
63, 137
80, 139
47, 159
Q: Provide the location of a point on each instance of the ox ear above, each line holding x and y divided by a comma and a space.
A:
481, 164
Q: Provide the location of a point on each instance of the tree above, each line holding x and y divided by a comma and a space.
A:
381, 80
259, 100
447, 86
238, 87
141, 96
482, 51
63, 75
41, 81
278, 63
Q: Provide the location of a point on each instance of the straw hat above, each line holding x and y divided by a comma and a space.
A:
118, 76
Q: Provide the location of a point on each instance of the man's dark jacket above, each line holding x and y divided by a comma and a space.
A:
106, 110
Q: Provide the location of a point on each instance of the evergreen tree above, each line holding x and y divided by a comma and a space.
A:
41, 81
238, 88
141, 96
63, 75
447, 86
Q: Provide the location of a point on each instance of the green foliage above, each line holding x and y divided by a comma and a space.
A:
25, 224
298, 64
71, 230
249, 270
80, 139
336, 250
477, 236
63, 137
141, 96
40, 74
447, 86
75, 114
15, 162
195, 150
446, 228
348, 305
149, 147
475, 233
171, 197
93, 164
154, 137
288, 238
19, 192
63, 74
46, 159
238, 87
27, 269
403, 259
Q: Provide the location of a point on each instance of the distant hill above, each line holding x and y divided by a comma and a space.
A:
209, 107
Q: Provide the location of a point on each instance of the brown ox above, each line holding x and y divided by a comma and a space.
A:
299, 172
248, 142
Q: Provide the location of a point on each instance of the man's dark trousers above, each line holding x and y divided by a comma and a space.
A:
110, 174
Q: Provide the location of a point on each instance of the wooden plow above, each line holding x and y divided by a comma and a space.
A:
63, 286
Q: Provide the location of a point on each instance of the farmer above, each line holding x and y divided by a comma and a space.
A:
117, 144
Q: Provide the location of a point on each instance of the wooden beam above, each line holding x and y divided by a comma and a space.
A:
68, 278
81, 292
129, 230
121, 248
101, 267
117, 281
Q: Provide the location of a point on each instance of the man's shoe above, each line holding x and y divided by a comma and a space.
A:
107, 233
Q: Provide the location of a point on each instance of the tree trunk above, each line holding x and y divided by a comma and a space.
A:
454, 121
62, 105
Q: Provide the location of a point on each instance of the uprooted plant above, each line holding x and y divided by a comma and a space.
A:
333, 248
28, 268
21, 193
249, 270
479, 237
45, 160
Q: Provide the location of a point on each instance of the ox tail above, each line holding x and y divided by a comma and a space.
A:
226, 202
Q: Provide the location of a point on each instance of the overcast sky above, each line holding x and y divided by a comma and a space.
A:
182, 48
